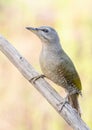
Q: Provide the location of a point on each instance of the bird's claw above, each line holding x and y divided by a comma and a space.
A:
32, 80
62, 104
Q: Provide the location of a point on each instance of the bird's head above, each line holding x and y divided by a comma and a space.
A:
45, 33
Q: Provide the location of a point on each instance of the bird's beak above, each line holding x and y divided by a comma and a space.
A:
34, 30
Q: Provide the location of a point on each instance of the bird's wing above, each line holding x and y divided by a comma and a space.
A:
69, 72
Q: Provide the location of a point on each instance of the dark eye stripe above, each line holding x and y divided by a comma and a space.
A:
45, 30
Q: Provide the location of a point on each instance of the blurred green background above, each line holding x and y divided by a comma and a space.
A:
21, 106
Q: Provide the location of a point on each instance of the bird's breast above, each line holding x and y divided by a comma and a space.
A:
49, 66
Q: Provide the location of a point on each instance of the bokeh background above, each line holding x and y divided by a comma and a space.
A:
22, 107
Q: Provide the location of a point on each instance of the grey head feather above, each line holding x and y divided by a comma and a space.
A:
48, 36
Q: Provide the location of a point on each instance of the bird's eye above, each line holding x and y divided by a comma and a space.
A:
45, 30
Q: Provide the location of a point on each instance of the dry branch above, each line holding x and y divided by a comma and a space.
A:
68, 113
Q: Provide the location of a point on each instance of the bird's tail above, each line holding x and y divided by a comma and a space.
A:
73, 100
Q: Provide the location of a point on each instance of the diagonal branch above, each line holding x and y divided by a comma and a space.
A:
68, 113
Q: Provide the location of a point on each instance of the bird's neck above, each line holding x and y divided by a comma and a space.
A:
51, 47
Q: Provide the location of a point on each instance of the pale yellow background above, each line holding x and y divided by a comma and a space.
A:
21, 106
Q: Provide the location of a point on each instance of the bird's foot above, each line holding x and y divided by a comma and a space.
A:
62, 104
32, 80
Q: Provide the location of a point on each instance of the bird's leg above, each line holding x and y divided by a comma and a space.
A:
32, 80
61, 104
65, 100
